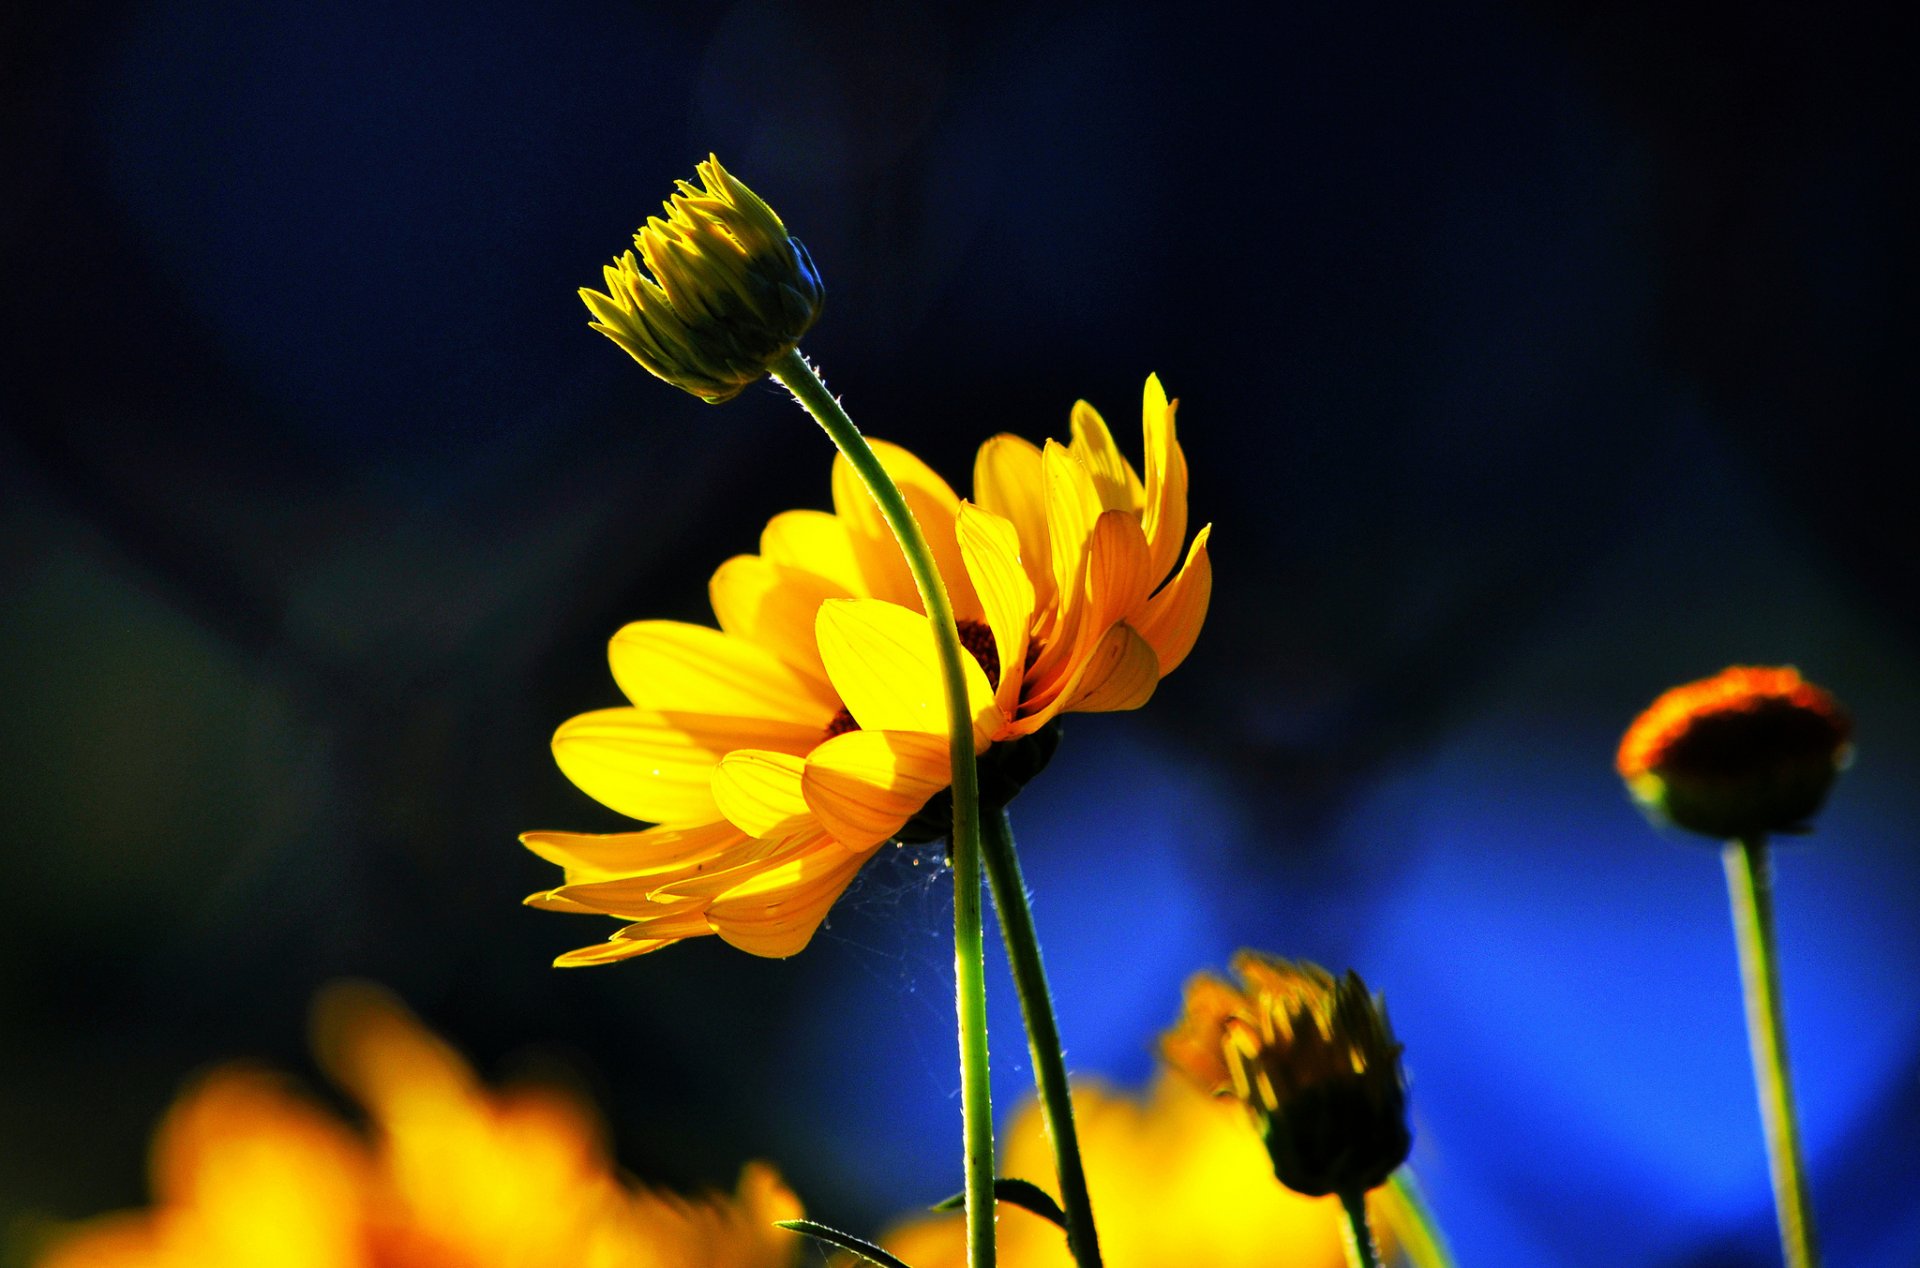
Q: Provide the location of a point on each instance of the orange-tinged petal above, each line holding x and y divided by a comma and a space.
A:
649, 766
589, 856
882, 661
776, 912
632, 897
1114, 480
1165, 512
759, 791
863, 785
933, 503
673, 667
1121, 674
1119, 572
773, 605
815, 541
991, 547
1173, 617
1007, 481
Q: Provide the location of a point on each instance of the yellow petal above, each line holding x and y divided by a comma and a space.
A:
650, 766
1173, 617
1007, 481
815, 541
882, 661
759, 791
991, 547
777, 911
863, 785
1113, 476
773, 605
1072, 508
1121, 674
611, 952
672, 667
591, 855
1119, 576
933, 504
1165, 513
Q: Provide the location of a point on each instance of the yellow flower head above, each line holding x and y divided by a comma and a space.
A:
248, 1173
1175, 1178
779, 751
725, 291
1314, 1060
1749, 750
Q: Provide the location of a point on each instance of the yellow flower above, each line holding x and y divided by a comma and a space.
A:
725, 291
248, 1173
779, 751
1314, 1060
1175, 1178
1750, 750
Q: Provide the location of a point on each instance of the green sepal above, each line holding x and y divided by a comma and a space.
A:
1024, 1194
845, 1241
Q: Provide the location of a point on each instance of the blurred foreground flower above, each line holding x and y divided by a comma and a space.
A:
248, 1173
725, 292
1177, 1179
778, 752
1314, 1060
1751, 749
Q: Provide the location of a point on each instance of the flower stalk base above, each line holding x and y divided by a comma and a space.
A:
1356, 1233
1043, 1034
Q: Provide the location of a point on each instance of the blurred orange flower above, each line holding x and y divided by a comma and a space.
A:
1176, 1178
777, 752
249, 1173
1752, 749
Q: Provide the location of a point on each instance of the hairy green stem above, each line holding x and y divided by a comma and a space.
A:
1043, 1033
969, 942
1358, 1236
1750, 886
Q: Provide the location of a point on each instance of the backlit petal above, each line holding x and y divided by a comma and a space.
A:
759, 791
1121, 674
882, 661
991, 547
816, 541
863, 785
650, 766
776, 913
773, 605
933, 504
1114, 480
610, 952
1173, 617
1165, 513
670, 666
592, 855
1007, 481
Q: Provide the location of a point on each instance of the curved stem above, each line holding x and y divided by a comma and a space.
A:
1043, 1033
1413, 1223
969, 943
1750, 886
1358, 1236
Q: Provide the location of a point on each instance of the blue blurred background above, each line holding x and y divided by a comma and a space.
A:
1533, 357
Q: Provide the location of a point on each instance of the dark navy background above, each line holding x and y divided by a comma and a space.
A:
1532, 357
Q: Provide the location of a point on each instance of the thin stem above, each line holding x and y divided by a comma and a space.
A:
1414, 1225
1043, 1033
969, 942
1357, 1235
1750, 886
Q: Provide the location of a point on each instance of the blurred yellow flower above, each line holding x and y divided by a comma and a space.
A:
777, 752
1176, 1178
725, 291
1314, 1060
248, 1173
1752, 749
